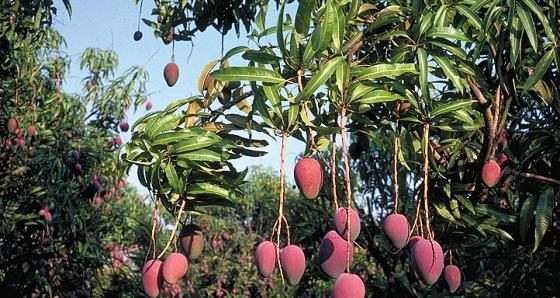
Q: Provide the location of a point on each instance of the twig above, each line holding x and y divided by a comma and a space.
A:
281, 204
333, 173
348, 186
216, 113
174, 229
488, 119
539, 177
426, 211
396, 170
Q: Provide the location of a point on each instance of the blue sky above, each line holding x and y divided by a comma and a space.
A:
110, 24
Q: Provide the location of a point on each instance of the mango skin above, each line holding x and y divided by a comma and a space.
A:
397, 229
491, 173
175, 267
171, 74
427, 264
152, 279
309, 177
192, 241
339, 222
332, 254
452, 276
266, 258
349, 286
293, 263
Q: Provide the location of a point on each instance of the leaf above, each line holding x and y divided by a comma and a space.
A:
449, 107
341, 76
234, 52
292, 114
206, 188
539, 71
379, 96
173, 179
260, 57
320, 78
470, 15
537, 9
322, 34
448, 33
498, 213
194, 143
525, 216
386, 70
543, 215
303, 16
528, 24
161, 124
339, 22
248, 73
443, 212
204, 73
272, 94
423, 77
515, 39
170, 137
201, 155
450, 71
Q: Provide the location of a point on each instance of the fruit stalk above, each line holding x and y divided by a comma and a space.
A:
395, 171
174, 229
427, 214
348, 186
153, 235
333, 173
281, 204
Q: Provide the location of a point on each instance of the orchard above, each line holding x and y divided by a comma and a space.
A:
429, 134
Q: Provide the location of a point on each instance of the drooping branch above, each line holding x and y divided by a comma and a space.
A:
216, 113
488, 120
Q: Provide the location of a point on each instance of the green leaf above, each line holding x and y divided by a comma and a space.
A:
543, 215
248, 73
339, 22
322, 34
449, 107
386, 70
447, 33
539, 71
528, 24
272, 94
206, 188
423, 77
538, 10
470, 15
450, 71
234, 52
320, 78
170, 137
292, 114
260, 57
303, 16
341, 76
201, 155
379, 96
443, 212
500, 214
525, 216
515, 39
173, 179
161, 124
193, 143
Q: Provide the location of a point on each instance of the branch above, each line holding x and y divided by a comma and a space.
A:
539, 177
488, 119
216, 113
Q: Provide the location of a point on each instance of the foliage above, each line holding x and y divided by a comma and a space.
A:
481, 77
66, 168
